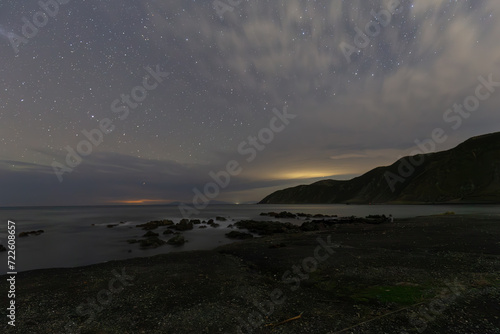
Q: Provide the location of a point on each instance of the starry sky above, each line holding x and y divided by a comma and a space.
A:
228, 68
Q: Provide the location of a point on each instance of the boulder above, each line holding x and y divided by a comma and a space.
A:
151, 225
150, 234
178, 240
152, 242
222, 219
184, 225
309, 226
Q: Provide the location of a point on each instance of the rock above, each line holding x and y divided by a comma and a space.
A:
210, 222
168, 232
150, 234
203, 226
132, 241
111, 225
184, 225
222, 219
239, 235
309, 226
283, 214
195, 221
155, 224
152, 242
25, 234
230, 226
178, 240
215, 225
2, 248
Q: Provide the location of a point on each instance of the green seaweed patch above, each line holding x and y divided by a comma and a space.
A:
405, 295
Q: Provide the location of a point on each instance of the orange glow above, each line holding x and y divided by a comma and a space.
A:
142, 201
306, 174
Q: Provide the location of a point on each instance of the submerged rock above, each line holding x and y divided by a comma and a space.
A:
178, 240
184, 225
151, 225
152, 242
282, 214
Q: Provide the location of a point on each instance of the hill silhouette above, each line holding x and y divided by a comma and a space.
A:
468, 173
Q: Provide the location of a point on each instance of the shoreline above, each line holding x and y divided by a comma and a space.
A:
237, 285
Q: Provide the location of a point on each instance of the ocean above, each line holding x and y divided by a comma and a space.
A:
70, 240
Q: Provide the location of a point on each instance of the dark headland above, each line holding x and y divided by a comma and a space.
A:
437, 274
468, 173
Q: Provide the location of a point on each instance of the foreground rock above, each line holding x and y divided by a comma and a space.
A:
178, 240
154, 224
184, 225
151, 242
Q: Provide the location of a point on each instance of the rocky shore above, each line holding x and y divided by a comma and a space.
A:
437, 274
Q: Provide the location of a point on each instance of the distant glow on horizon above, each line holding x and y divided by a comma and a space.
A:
307, 174
142, 201
215, 92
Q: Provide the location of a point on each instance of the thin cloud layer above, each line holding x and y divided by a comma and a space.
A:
225, 78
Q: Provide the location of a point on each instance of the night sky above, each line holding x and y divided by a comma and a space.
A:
352, 103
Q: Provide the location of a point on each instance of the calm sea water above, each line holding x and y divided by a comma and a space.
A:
70, 240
